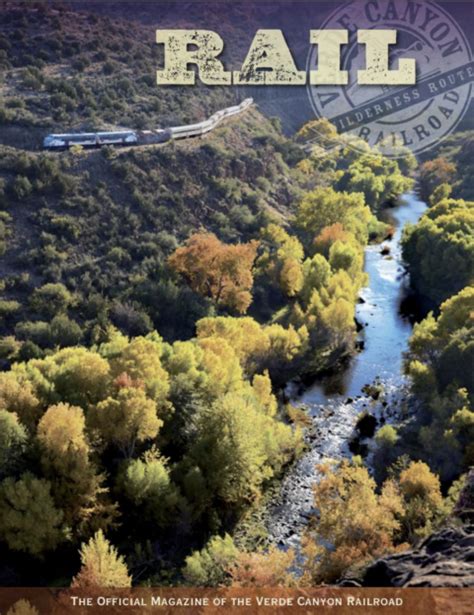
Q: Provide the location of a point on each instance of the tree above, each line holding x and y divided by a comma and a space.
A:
209, 566
64, 332
328, 236
17, 395
347, 256
64, 452
263, 569
321, 131
21, 187
22, 607
13, 439
262, 387
439, 249
378, 178
355, 523
440, 366
126, 419
317, 272
280, 259
29, 519
147, 484
140, 359
80, 376
433, 173
216, 270
51, 299
101, 566
423, 502
246, 337
324, 207
238, 447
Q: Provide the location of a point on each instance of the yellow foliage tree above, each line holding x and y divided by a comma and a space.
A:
356, 524
126, 419
101, 566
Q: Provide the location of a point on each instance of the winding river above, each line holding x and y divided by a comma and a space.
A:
334, 402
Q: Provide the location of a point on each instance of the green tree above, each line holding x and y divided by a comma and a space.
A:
324, 207
147, 484
13, 440
377, 177
238, 447
51, 299
209, 566
439, 249
29, 519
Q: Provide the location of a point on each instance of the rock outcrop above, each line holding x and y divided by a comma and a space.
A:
445, 559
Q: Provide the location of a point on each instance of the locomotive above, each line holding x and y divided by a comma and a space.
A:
90, 139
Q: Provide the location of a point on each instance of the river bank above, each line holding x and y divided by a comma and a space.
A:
336, 401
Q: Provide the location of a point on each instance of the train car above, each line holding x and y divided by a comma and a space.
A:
90, 139
201, 128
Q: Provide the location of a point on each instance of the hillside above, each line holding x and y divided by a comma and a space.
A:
67, 70
102, 222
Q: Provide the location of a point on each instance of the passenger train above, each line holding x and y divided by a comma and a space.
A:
131, 137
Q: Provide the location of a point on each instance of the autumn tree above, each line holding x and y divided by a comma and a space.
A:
22, 607
217, 270
281, 259
263, 568
126, 419
355, 523
65, 460
422, 500
433, 173
18, 395
245, 335
101, 566
329, 235
140, 360
29, 519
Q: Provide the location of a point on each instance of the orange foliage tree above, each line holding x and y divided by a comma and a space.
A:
222, 272
435, 172
329, 235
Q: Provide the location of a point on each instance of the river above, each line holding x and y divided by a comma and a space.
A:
334, 402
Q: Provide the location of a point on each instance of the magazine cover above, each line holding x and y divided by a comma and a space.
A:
236, 307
